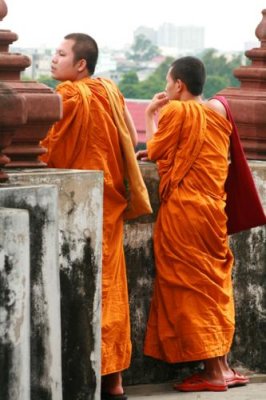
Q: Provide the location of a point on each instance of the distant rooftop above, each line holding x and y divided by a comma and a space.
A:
137, 110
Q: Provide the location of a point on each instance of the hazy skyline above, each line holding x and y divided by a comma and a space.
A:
229, 25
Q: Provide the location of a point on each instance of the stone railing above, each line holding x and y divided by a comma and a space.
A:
50, 250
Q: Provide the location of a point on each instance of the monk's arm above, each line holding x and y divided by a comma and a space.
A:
130, 126
158, 101
150, 124
166, 137
217, 106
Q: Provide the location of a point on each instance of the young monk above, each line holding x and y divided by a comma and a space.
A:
97, 133
192, 310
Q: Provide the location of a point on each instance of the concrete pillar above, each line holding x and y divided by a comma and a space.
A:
80, 243
45, 344
14, 305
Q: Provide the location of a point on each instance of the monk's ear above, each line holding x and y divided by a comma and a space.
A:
82, 65
178, 88
179, 85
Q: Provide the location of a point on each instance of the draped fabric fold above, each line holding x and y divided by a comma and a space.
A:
192, 310
243, 206
138, 199
178, 163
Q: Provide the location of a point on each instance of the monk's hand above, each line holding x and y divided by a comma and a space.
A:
158, 101
142, 155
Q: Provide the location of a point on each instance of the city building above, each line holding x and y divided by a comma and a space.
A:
175, 40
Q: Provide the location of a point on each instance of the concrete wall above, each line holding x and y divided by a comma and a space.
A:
249, 249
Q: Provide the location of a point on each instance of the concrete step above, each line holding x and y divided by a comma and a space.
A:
255, 390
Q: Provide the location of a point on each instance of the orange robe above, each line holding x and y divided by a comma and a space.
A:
87, 138
192, 310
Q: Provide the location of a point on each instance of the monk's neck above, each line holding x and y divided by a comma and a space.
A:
82, 75
188, 96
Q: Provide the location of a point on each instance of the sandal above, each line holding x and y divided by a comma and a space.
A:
236, 380
196, 383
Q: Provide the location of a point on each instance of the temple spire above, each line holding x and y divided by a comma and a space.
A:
28, 108
248, 102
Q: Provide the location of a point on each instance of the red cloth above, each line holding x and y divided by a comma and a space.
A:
243, 206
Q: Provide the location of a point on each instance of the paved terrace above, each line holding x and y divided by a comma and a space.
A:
256, 390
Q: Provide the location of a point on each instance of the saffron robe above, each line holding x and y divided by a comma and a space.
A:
192, 309
87, 138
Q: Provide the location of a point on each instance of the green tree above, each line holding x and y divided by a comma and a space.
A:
129, 78
130, 91
213, 85
163, 68
132, 88
219, 70
129, 85
143, 49
47, 80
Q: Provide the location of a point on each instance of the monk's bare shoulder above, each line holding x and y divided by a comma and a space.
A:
216, 106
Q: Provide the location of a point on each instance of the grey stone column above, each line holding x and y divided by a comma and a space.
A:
80, 242
45, 344
14, 305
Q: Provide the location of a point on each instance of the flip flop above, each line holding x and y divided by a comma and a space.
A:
236, 380
108, 396
196, 383
191, 378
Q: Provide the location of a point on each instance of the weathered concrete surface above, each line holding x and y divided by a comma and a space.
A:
80, 256
14, 305
249, 276
45, 343
249, 247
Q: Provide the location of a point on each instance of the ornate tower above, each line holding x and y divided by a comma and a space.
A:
27, 108
248, 102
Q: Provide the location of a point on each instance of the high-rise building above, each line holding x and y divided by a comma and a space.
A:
167, 35
190, 38
178, 39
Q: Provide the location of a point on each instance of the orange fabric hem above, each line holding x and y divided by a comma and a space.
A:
175, 354
205, 356
116, 360
113, 371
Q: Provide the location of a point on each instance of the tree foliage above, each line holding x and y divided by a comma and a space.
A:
219, 70
142, 49
147, 88
130, 78
47, 80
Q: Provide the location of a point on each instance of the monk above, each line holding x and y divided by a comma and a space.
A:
97, 133
192, 310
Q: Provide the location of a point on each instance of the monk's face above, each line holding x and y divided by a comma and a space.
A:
172, 87
63, 66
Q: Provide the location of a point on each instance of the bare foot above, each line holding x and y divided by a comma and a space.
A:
112, 383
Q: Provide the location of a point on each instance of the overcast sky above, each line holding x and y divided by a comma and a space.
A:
229, 24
